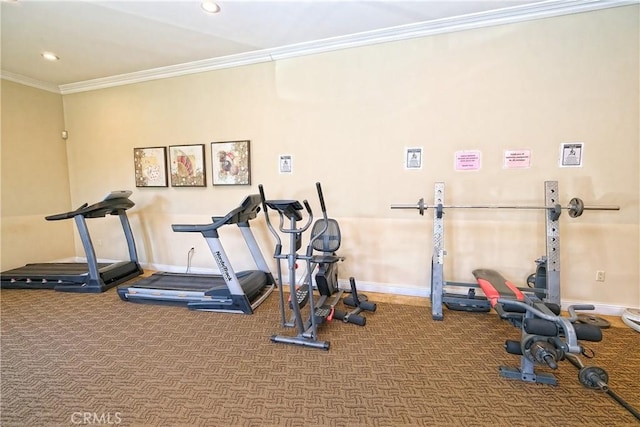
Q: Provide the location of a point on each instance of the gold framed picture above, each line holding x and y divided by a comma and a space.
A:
187, 165
231, 163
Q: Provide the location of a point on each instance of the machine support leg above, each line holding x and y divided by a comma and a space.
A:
437, 263
553, 244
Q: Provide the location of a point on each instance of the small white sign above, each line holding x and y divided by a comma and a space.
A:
468, 160
571, 154
285, 164
517, 159
413, 158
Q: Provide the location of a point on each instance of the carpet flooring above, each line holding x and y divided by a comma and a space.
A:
78, 359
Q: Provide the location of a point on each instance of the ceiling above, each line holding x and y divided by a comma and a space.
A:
114, 42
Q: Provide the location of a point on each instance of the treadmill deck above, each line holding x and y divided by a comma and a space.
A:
252, 282
69, 276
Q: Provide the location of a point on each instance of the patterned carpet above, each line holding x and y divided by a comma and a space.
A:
73, 359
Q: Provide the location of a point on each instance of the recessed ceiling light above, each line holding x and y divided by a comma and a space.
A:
50, 56
210, 6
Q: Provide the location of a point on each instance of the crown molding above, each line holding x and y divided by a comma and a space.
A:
510, 15
194, 67
27, 81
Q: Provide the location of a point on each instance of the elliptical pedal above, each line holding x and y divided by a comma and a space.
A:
302, 296
323, 313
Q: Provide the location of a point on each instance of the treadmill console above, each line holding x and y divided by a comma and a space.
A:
289, 208
120, 194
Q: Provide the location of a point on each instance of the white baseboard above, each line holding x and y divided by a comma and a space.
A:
404, 290
71, 259
179, 269
382, 288
387, 288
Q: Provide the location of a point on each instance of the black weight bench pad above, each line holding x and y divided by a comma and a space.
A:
495, 286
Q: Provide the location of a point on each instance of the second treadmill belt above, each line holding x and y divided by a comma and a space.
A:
252, 282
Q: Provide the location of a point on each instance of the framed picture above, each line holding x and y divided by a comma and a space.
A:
187, 165
150, 166
231, 163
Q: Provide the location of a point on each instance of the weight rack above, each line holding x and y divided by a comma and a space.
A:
575, 209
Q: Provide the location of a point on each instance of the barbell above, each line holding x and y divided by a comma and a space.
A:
575, 208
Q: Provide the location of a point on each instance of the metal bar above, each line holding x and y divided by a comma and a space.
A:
601, 208
587, 207
492, 207
128, 234
404, 206
90, 252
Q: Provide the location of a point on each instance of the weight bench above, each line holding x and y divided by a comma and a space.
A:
546, 335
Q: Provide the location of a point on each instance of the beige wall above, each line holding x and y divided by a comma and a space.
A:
346, 117
35, 179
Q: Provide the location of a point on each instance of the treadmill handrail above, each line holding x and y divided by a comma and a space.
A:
97, 210
246, 211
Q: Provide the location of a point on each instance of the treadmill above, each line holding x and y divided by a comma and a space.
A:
82, 277
228, 292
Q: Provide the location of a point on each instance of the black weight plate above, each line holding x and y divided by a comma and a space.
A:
590, 319
590, 375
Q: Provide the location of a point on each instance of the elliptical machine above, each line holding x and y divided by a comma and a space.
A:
325, 238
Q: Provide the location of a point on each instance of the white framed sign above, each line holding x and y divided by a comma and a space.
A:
285, 163
413, 158
571, 154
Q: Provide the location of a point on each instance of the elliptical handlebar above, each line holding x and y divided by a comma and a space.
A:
290, 209
321, 197
269, 226
301, 229
264, 208
324, 216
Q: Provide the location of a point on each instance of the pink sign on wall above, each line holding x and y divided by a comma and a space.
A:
468, 160
517, 159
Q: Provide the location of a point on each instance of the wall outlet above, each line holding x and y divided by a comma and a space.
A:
600, 276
